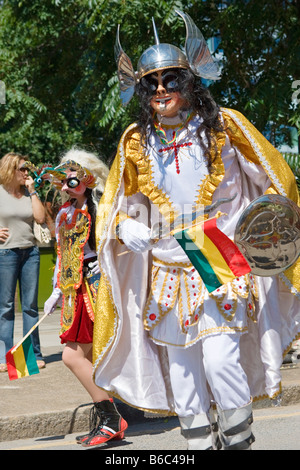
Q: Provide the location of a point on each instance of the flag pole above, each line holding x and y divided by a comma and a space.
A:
182, 228
29, 332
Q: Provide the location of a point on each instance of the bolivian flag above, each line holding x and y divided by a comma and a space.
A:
21, 361
216, 258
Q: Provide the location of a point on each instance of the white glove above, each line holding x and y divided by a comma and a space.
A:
51, 303
135, 235
94, 267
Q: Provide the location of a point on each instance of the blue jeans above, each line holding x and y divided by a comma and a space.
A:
23, 265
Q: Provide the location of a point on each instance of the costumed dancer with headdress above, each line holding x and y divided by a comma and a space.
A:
169, 344
81, 175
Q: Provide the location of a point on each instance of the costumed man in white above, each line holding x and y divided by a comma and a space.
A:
162, 342
81, 177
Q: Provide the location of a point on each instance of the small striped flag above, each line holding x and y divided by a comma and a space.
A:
21, 361
216, 258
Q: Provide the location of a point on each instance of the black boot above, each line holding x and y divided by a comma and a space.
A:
106, 424
93, 423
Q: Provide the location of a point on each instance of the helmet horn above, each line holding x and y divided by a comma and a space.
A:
155, 32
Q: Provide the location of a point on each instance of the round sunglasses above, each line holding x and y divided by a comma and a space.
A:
169, 82
22, 169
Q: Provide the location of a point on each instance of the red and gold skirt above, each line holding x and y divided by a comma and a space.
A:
81, 330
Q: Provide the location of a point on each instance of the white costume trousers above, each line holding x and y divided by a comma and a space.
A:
215, 361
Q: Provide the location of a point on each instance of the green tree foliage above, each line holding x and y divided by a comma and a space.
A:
57, 63
261, 43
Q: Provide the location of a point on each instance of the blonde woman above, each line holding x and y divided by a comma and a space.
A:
19, 255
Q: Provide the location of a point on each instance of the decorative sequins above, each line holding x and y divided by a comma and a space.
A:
163, 295
241, 287
70, 244
183, 287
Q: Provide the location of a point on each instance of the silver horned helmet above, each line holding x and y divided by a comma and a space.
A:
197, 57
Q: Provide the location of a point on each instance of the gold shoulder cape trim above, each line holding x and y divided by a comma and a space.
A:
113, 185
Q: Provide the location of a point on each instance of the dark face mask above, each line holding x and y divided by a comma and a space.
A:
170, 81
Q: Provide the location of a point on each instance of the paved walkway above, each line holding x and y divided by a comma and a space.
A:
54, 403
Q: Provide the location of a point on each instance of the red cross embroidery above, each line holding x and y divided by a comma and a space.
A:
175, 147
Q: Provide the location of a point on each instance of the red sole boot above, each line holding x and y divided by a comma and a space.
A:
111, 425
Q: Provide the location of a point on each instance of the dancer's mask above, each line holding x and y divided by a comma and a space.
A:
83, 174
196, 57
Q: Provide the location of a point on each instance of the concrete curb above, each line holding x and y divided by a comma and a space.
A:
56, 423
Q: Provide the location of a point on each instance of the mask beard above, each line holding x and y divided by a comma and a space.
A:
162, 106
